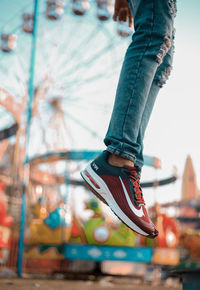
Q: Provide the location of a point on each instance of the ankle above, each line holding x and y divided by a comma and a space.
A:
119, 161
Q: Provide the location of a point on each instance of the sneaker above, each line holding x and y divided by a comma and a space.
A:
119, 188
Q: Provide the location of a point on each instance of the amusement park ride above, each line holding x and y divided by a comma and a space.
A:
49, 102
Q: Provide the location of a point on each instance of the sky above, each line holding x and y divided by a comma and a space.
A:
172, 133
173, 130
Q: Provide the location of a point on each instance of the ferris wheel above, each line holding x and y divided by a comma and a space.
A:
78, 56
79, 51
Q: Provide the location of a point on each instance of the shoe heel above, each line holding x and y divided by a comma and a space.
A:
83, 175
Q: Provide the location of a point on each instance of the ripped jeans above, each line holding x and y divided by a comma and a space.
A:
146, 67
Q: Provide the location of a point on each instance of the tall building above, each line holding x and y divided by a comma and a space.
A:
189, 184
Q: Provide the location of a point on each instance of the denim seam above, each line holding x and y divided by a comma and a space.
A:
138, 73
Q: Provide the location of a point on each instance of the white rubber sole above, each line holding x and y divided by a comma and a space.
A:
107, 197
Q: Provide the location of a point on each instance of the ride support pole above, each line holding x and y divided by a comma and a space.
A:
27, 135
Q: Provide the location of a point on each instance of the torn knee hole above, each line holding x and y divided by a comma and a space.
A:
163, 49
172, 7
164, 76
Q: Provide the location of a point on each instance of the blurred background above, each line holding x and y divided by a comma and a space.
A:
59, 67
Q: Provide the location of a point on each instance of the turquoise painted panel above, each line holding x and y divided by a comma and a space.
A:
102, 253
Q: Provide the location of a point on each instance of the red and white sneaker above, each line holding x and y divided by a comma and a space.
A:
119, 188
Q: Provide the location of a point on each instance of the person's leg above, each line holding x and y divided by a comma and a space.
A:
160, 79
119, 186
151, 41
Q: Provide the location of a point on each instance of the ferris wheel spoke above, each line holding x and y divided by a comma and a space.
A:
89, 62
74, 34
82, 49
92, 100
107, 32
55, 52
85, 82
14, 80
78, 52
102, 108
72, 86
68, 131
19, 76
82, 82
82, 125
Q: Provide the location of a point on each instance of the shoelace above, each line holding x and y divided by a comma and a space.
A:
135, 179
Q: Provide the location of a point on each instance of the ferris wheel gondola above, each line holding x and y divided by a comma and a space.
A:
80, 7
27, 25
104, 9
8, 42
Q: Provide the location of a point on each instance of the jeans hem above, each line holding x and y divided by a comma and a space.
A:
139, 164
121, 153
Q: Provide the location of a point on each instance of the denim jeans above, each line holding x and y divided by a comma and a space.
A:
146, 67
